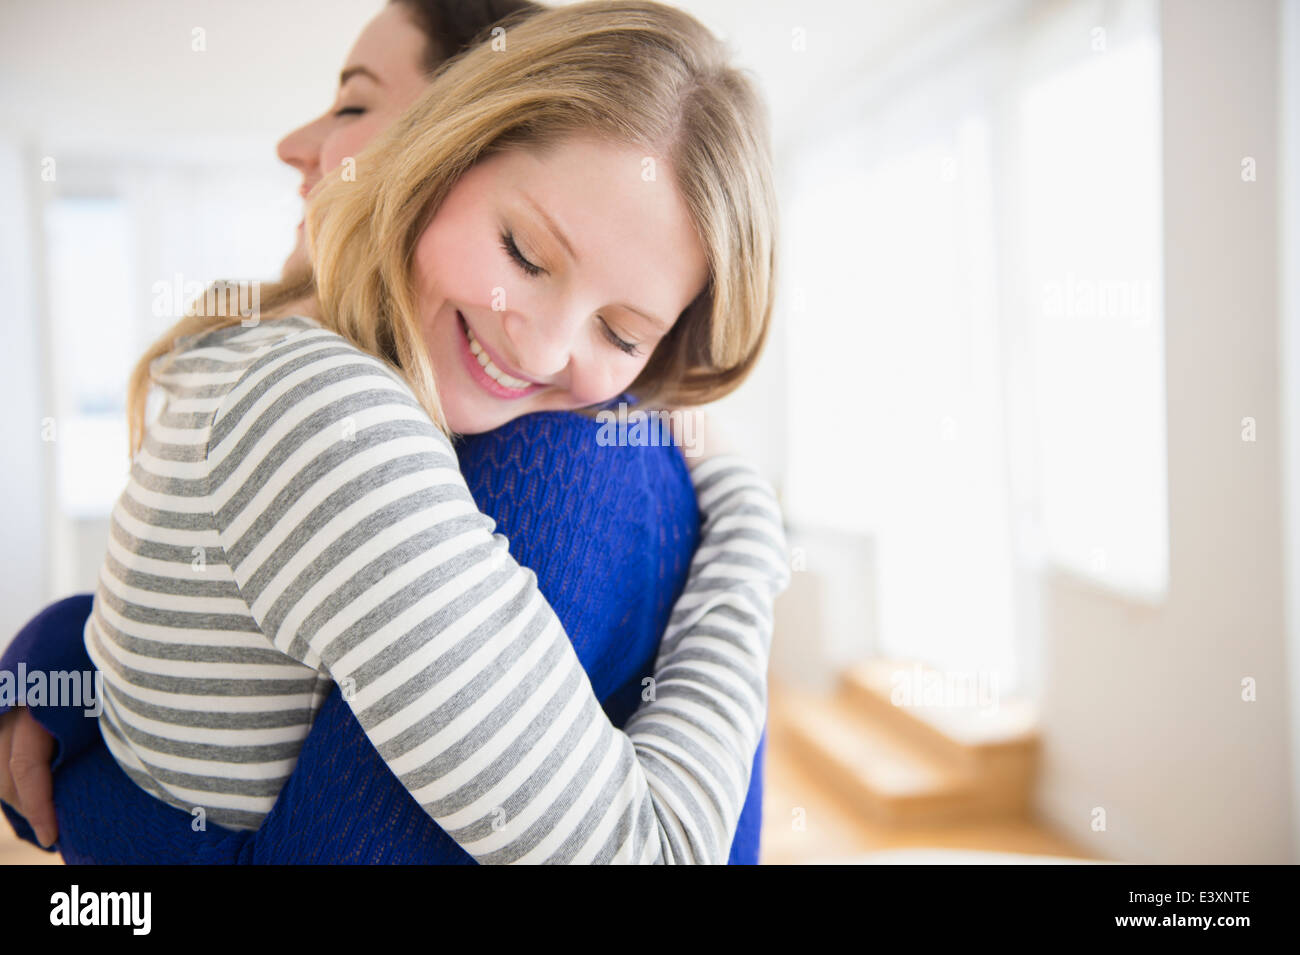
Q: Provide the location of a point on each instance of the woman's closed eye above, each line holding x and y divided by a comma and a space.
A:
629, 347
350, 111
512, 249
531, 270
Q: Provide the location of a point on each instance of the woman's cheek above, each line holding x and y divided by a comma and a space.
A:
476, 274
609, 379
348, 142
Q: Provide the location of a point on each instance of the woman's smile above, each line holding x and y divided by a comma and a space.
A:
484, 367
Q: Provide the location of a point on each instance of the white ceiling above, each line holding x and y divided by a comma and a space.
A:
87, 74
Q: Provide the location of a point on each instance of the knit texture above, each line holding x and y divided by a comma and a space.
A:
609, 531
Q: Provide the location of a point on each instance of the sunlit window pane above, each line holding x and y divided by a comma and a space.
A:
93, 339
1090, 224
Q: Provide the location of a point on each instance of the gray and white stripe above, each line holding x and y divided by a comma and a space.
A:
294, 518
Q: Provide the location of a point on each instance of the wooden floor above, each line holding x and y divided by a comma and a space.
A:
13, 851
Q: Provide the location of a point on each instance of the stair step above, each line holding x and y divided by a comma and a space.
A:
996, 735
867, 764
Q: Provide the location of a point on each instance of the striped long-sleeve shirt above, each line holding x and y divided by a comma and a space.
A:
295, 518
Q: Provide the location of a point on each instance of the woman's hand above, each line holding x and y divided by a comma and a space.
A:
26, 783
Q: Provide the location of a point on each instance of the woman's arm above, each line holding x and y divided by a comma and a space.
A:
460, 673
610, 533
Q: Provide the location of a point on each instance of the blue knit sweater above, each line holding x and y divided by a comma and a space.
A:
609, 532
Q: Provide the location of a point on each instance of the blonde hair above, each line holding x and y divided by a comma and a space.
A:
639, 73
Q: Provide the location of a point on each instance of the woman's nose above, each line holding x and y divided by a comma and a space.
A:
552, 350
301, 148
543, 349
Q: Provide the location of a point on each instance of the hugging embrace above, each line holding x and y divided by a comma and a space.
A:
375, 591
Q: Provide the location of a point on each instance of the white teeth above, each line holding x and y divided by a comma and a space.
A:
493, 371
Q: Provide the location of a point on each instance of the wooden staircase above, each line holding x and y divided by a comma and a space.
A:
920, 763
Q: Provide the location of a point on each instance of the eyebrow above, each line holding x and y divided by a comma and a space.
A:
564, 241
550, 224
352, 71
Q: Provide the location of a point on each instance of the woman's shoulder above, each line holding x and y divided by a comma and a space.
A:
248, 336
221, 350
293, 369
266, 348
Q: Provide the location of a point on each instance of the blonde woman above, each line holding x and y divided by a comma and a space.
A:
603, 129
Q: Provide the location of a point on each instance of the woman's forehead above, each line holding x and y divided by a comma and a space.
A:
391, 47
594, 205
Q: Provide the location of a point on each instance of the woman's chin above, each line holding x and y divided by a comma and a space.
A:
467, 418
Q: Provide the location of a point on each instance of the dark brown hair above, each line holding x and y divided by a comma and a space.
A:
452, 26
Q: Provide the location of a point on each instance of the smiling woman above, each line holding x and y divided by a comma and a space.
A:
570, 128
568, 110
521, 314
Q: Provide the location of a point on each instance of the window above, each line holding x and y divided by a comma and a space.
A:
1089, 226
975, 332
88, 243
126, 240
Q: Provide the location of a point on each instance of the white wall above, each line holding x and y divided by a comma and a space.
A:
1289, 289
126, 75
27, 472
1142, 709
